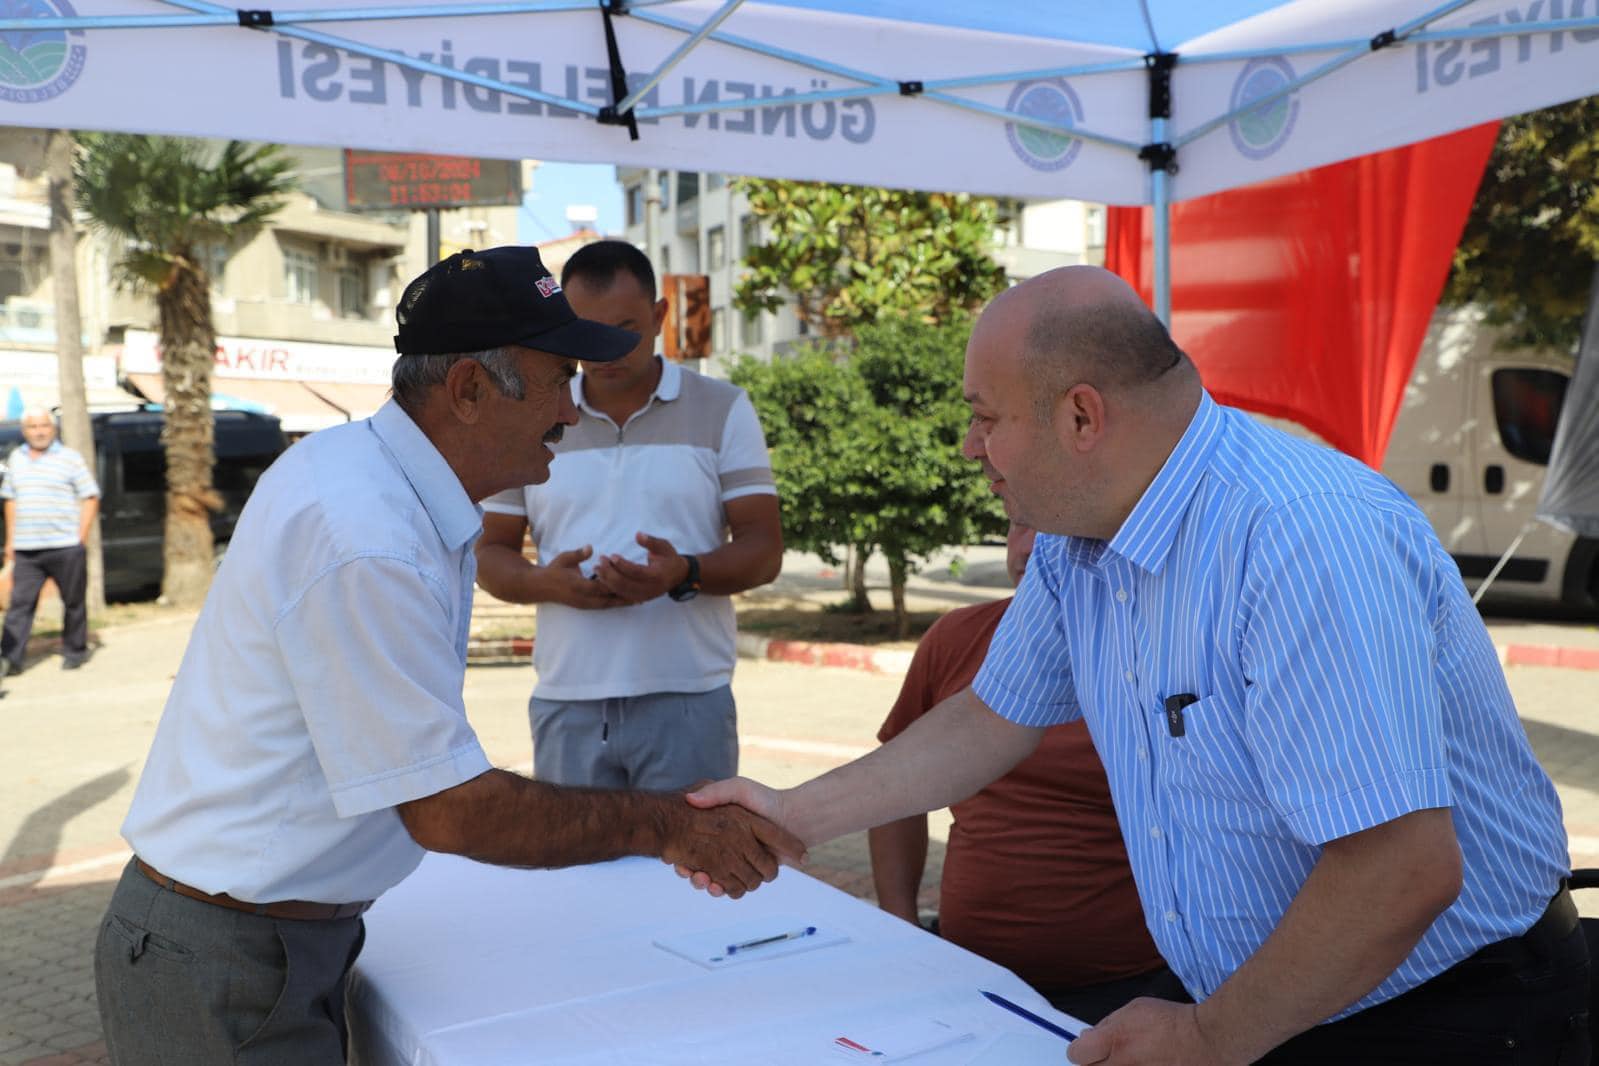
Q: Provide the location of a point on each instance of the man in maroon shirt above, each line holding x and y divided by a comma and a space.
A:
1035, 872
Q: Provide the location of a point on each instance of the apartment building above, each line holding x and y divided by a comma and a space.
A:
303, 308
697, 223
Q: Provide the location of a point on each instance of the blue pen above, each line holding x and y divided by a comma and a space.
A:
1023, 1012
792, 934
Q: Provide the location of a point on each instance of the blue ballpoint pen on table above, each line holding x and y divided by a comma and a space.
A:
1023, 1012
792, 934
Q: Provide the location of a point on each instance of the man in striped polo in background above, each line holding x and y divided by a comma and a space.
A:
51, 501
1343, 844
660, 507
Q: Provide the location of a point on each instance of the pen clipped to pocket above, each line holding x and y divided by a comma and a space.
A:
1176, 723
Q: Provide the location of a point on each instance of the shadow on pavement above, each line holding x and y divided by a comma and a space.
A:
40, 832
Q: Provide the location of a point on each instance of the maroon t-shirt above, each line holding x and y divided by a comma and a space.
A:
1035, 872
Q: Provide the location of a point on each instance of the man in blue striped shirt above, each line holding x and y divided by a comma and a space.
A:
51, 501
1332, 811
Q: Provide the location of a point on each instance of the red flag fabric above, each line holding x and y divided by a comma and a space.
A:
1307, 297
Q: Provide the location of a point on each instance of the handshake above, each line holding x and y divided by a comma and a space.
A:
733, 838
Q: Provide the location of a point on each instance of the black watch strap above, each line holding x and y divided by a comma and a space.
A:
691, 584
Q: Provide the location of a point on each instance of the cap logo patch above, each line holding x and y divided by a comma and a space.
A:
547, 286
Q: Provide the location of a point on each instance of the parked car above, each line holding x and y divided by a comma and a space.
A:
130, 465
1471, 446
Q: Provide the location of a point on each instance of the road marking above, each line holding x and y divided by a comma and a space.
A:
53, 873
806, 747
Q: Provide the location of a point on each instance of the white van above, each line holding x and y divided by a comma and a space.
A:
1471, 446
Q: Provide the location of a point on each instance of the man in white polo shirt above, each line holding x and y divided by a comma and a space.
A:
315, 742
660, 507
51, 502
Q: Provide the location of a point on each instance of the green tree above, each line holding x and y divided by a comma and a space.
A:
866, 447
1530, 245
169, 200
845, 255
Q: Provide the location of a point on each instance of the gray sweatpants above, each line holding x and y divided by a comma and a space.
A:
183, 982
657, 742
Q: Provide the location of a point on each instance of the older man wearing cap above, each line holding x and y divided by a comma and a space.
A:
315, 743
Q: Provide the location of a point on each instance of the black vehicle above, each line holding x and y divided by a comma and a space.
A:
131, 468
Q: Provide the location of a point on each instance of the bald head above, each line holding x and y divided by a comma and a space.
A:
1083, 324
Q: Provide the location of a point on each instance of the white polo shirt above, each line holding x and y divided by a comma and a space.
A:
668, 471
322, 682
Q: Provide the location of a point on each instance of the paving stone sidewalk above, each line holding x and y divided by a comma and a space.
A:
78, 740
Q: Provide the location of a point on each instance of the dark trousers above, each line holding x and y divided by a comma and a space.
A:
1520, 1002
182, 982
1093, 1003
69, 568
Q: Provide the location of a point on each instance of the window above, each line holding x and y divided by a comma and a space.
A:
666, 189
144, 471
352, 292
688, 186
1094, 226
749, 235
1527, 409
749, 329
214, 258
666, 261
239, 473
715, 181
719, 330
716, 248
635, 205
299, 276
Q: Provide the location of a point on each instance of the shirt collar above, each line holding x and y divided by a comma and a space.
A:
456, 518
1145, 538
666, 390
54, 446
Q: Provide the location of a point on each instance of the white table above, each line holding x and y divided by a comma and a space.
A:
473, 965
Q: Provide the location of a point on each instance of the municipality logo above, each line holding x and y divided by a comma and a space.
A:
36, 65
1051, 101
1260, 131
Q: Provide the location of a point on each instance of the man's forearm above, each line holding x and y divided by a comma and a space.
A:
899, 858
741, 564
509, 820
945, 756
87, 512
508, 575
1366, 903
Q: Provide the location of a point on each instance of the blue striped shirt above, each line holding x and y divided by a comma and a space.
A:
49, 491
1344, 679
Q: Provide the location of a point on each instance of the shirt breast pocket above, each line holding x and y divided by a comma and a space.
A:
1209, 761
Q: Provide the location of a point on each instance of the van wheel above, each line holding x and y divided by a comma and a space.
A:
1581, 586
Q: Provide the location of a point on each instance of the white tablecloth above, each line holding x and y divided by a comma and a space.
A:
473, 965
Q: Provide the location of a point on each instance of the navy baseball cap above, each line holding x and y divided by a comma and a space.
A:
474, 301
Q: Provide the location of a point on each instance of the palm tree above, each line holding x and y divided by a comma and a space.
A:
169, 200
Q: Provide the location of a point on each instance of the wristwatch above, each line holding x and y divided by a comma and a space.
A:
691, 584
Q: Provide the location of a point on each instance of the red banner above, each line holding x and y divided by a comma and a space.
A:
1308, 297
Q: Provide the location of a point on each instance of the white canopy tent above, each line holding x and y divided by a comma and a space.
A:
1105, 100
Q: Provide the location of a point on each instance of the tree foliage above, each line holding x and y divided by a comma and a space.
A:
1529, 249
845, 255
170, 200
866, 446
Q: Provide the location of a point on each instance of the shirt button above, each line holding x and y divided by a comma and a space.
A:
1128, 674
1171, 916
1143, 753
1154, 831
1121, 595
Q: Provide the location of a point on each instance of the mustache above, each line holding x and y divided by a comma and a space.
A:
555, 434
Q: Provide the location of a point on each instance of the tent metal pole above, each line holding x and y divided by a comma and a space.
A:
1160, 199
1500, 565
677, 56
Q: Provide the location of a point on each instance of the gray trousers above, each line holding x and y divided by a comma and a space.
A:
659, 741
187, 983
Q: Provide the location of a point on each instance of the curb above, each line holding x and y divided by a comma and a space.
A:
897, 661
1548, 655
816, 653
